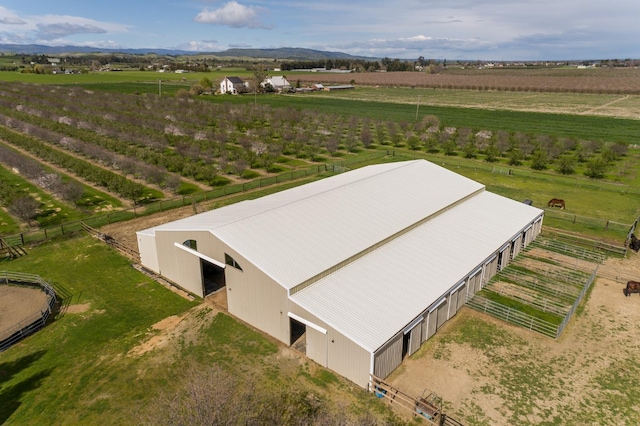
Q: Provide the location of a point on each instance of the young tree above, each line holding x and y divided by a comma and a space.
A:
515, 156
430, 142
381, 133
566, 165
469, 149
71, 192
24, 207
365, 136
596, 168
539, 159
491, 153
413, 141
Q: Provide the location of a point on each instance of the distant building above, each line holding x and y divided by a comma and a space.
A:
340, 87
279, 83
233, 85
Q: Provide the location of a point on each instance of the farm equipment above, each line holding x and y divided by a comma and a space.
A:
428, 405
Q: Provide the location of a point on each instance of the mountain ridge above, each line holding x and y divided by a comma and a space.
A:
284, 53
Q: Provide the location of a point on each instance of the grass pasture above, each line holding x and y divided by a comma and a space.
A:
123, 340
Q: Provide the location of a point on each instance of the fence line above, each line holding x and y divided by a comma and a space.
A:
527, 321
33, 323
540, 284
511, 315
567, 317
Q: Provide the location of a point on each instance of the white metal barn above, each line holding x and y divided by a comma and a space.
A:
365, 265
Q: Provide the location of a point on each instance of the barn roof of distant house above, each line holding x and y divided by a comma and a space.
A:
235, 80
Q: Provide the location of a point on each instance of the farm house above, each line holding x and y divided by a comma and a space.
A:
358, 269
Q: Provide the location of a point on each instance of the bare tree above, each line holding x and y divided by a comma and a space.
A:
71, 192
24, 207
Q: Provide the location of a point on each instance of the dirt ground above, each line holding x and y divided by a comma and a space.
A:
18, 304
520, 377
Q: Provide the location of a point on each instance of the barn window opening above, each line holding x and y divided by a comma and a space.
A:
192, 244
231, 261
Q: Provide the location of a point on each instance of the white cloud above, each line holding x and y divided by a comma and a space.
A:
63, 29
233, 14
201, 46
11, 20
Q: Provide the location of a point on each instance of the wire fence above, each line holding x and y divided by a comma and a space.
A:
541, 302
21, 329
513, 316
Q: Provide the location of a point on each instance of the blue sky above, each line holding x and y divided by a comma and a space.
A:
438, 29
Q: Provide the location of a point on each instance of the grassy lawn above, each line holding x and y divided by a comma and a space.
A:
8, 225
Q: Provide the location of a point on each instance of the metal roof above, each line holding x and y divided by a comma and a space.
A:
373, 298
296, 234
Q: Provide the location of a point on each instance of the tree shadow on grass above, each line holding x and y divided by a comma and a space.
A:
10, 395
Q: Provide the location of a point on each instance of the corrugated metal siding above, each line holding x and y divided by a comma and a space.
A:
516, 247
340, 354
474, 283
148, 252
189, 271
490, 269
388, 358
505, 257
461, 294
256, 299
432, 323
442, 313
416, 338
348, 359
317, 346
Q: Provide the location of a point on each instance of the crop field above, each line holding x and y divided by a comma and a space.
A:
610, 105
600, 81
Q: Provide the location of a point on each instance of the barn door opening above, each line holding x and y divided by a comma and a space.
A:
213, 278
298, 334
405, 344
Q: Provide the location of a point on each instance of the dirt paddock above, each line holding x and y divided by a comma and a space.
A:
18, 304
490, 372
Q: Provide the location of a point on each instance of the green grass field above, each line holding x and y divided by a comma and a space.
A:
563, 103
80, 369
76, 370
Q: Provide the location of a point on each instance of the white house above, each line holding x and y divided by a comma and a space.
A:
365, 266
233, 85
